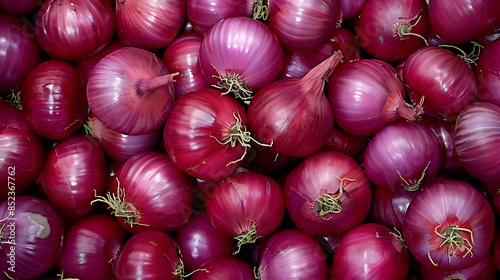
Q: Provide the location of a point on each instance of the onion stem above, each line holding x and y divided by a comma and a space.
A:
413, 187
260, 10
399, 237
232, 82
451, 237
411, 112
327, 203
148, 86
61, 276
2, 232
247, 236
316, 77
470, 58
8, 276
14, 99
88, 126
405, 30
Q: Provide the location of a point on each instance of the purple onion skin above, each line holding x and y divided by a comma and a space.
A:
20, 6
487, 73
227, 267
483, 270
86, 66
351, 8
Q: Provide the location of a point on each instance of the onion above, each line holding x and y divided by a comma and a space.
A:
19, 51
443, 79
327, 194
74, 29
150, 254
149, 25
149, 192
182, 56
304, 25
285, 107
224, 268
199, 242
31, 237
74, 171
449, 225
370, 251
484, 269
291, 254
487, 73
91, 248
391, 30
351, 8
246, 206
477, 132
240, 55
343, 142
53, 99
86, 66
496, 249
459, 21
130, 91
19, 6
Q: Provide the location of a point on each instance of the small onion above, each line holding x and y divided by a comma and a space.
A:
488, 73
226, 267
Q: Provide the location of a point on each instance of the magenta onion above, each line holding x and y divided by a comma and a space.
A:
484, 269
443, 79
19, 6
294, 114
130, 91
73, 173
488, 73
182, 56
291, 254
86, 66
402, 155
150, 254
246, 206
449, 225
118, 146
367, 95
91, 248
21, 152
149, 25
74, 29
477, 132
304, 25
327, 194
224, 268
53, 99
31, 237
351, 8
459, 21
391, 30
19, 51
371, 251
149, 192
205, 134
199, 242
346, 143
240, 55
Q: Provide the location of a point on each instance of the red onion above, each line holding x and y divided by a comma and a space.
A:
351, 8
246, 206
199, 242
31, 237
118, 146
488, 73
150, 254
149, 25
91, 248
327, 194
149, 192
205, 134
182, 56
74, 171
203, 14
484, 269
450, 225
477, 132
304, 25
53, 99
74, 29
443, 79
489, 38
459, 21
294, 114
367, 95
391, 30
371, 251
21, 152
240, 55
19, 6
130, 91
86, 66
343, 142
19, 51
224, 268
291, 254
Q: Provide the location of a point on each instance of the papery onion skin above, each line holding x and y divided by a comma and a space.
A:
391, 30
197, 123
444, 79
33, 233
304, 25
291, 254
326, 173
116, 96
477, 134
149, 25
19, 6
443, 205
19, 51
460, 21
484, 269
74, 29
224, 268
70, 187
86, 66
91, 248
370, 251
487, 73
